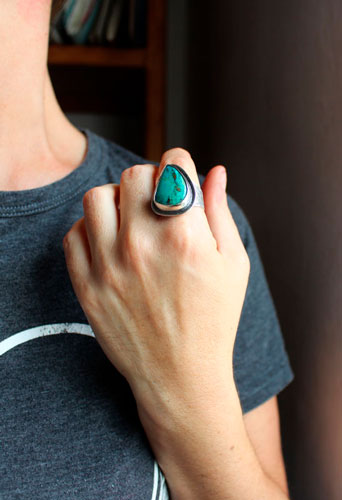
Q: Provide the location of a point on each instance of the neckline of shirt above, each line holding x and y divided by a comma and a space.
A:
40, 199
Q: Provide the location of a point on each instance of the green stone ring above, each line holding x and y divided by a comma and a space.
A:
175, 193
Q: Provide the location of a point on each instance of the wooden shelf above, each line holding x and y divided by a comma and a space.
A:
100, 89
87, 55
90, 91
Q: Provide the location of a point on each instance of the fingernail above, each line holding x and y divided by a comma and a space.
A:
223, 177
222, 184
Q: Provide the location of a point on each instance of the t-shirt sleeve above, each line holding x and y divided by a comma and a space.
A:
261, 364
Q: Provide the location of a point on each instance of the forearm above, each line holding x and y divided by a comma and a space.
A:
203, 449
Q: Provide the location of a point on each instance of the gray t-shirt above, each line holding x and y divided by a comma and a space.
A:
69, 426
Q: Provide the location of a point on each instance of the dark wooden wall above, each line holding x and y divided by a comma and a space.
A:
264, 97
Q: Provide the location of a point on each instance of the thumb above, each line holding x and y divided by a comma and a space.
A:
219, 217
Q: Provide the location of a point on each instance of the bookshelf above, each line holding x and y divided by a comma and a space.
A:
89, 78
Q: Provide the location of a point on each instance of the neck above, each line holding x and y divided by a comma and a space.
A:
37, 142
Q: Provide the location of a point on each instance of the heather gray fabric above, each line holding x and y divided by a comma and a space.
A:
69, 428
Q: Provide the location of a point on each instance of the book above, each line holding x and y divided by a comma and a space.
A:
55, 35
57, 32
114, 19
97, 34
67, 10
75, 18
89, 19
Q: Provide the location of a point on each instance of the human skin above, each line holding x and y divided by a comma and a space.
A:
39, 145
164, 298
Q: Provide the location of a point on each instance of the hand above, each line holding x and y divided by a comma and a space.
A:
163, 295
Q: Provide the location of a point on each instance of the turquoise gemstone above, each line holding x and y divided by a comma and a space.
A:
171, 188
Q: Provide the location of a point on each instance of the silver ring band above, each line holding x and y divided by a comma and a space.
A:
193, 195
198, 202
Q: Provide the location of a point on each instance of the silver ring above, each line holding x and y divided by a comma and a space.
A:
175, 193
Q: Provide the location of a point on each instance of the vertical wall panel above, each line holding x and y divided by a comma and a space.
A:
264, 97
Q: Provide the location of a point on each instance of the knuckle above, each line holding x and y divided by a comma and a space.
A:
67, 240
133, 172
181, 161
92, 196
178, 153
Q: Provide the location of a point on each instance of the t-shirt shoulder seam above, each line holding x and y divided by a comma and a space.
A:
268, 390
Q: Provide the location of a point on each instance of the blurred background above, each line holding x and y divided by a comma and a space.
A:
257, 87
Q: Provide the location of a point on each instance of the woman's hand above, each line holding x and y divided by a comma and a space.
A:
163, 295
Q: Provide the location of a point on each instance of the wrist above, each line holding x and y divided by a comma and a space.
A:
190, 444
204, 453
166, 407
200, 442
